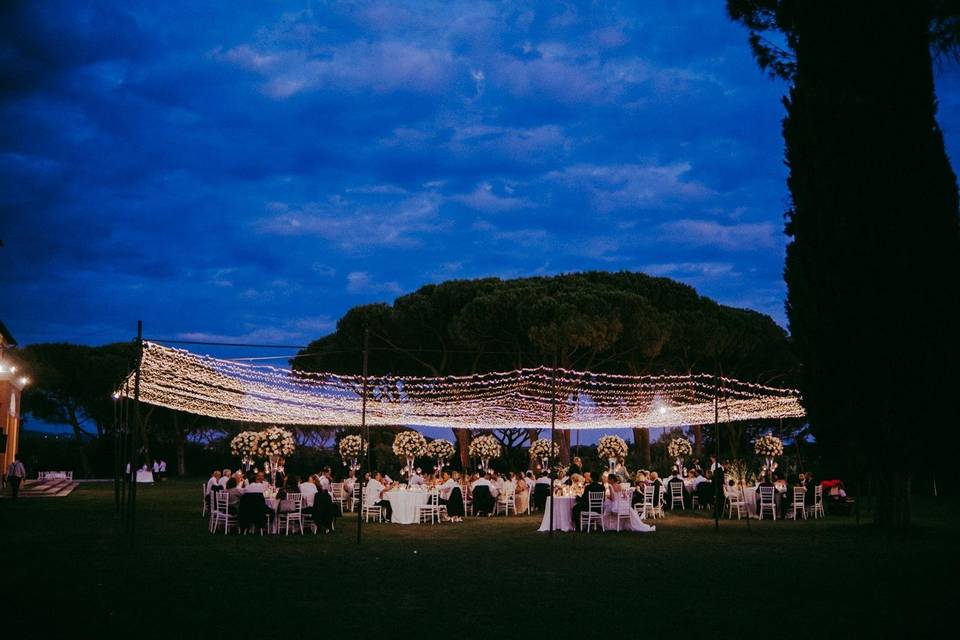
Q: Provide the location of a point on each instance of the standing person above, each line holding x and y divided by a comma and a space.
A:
156, 470
718, 480
163, 469
16, 472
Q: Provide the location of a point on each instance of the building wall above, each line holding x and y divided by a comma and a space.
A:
9, 420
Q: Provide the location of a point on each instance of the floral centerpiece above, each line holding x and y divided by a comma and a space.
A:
409, 445
543, 450
440, 450
770, 447
244, 444
351, 448
486, 448
273, 443
613, 448
678, 449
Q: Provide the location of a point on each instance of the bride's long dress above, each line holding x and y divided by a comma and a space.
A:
620, 503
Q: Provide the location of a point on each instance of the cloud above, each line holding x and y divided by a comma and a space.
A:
362, 282
732, 237
690, 269
632, 186
352, 225
269, 330
483, 198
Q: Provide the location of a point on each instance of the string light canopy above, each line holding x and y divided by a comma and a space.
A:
523, 398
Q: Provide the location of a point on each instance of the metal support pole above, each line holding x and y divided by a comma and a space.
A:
364, 436
718, 491
135, 444
553, 439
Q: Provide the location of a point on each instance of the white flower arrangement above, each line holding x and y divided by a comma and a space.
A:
485, 448
275, 441
244, 444
409, 444
612, 448
679, 448
768, 446
352, 447
542, 448
440, 449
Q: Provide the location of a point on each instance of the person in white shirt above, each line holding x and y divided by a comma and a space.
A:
415, 479
325, 480
481, 502
258, 485
16, 473
156, 470
308, 490
373, 495
223, 478
214, 481
163, 469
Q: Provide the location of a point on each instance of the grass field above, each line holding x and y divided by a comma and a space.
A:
73, 573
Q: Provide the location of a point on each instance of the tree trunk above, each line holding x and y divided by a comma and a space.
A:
86, 471
563, 441
641, 439
180, 435
893, 499
697, 441
462, 437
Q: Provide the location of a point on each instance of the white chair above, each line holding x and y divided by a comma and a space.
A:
734, 501
817, 507
621, 508
431, 510
594, 514
797, 505
505, 501
676, 495
768, 502
206, 498
293, 513
467, 499
220, 513
371, 511
338, 495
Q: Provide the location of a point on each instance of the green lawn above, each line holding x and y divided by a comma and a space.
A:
485, 578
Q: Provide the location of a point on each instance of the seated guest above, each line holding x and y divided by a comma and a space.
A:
672, 480
808, 483
324, 512
258, 485
349, 482
696, 468
582, 503
252, 509
213, 484
308, 489
577, 483
576, 467
657, 485
541, 491
233, 493
530, 481
705, 489
325, 479
452, 497
483, 498
224, 477
374, 495
416, 478
763, 484
240, 478
521, 495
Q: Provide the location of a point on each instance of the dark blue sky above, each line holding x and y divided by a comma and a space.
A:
250, 170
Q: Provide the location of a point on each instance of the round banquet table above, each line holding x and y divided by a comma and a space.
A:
563, 521
404, 504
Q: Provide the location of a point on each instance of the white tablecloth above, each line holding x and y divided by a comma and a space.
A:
564, 518
404, 504
145, 476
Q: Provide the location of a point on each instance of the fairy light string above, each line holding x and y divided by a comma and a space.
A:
252, 392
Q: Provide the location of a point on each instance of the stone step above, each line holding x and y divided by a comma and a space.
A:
45, 489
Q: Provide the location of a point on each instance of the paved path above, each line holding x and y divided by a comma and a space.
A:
45, 489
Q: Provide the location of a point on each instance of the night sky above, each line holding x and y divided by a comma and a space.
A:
248, 171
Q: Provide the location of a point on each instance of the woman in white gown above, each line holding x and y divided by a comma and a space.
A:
617, 502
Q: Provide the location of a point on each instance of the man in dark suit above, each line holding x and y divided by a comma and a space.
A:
576, 466
718, 481
582, 503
